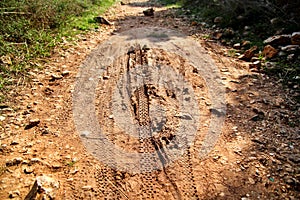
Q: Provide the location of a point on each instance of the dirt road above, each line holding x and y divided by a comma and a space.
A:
48, 132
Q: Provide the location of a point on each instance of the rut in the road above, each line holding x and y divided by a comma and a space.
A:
170, 182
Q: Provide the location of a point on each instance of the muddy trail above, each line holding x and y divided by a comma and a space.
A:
147, 108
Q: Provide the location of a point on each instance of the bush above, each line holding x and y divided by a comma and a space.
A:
238, 13
31, 28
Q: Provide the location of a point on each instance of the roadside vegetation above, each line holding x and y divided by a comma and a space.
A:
30, 29
250, 22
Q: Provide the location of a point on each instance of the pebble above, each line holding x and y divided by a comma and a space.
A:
87, 187
14, 161
2, 118
218, 20
14, 194
251, 181
65, 73
32, 123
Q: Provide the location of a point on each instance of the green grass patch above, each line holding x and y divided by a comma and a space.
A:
171, 3
30, 29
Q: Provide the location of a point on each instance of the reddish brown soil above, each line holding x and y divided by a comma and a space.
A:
257, 155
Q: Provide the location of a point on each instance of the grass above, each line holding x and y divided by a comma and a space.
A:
172, 3
30, 29
257, 16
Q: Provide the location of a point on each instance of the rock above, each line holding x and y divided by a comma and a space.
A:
106, 77
290, 48
102, 20
247, 28
269, 51
55, 77
251, 181
275, 21
278, 40
248, 54
194, 23
149, 12
44, 187
2, 118
87, 187
228, 32
217, 35
257, 117
14, 143
245, 43
237, 46
218, 20
281, 54
256, 64
65, 73
296, 38
32, 123
289, 180
290, 57
28, 170
14, 162
14, 194
294, 158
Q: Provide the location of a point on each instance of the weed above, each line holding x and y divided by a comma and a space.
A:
30, 29
71, 163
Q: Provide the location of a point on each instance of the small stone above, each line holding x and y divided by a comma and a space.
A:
294, 158
28, 170
56, 166
14, 143
247, 28
248, 54
32, 123
87, 187
278, 40
111, 116
149, 12
290, 57
289, 180
218, 20
65, 73
237, 46
251, 181
246, 43
106, 77
34, 160
255, 64
102, 20
228, 32
145, 48
296, 38
44, 187
55, 77
245, 198
269, 51
194, 23
275, 21
14, 194
217, 35
74, 171
14, 162
282, 54
2, 118
290, 48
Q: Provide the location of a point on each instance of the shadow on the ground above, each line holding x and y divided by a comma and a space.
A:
266, 168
